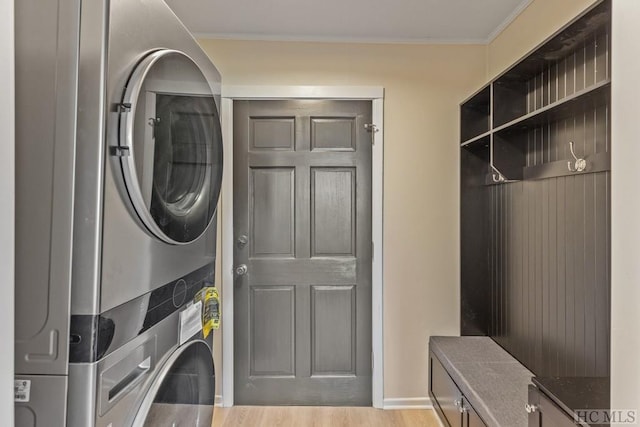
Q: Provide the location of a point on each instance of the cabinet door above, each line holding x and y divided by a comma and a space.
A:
444, 392
545, 413
471, 416
533, 405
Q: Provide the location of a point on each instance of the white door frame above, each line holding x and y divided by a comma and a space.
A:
376, 96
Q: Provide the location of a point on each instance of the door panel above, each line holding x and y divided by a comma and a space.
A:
272, 133
272, 331
333, 134
333, 330
272, 212
302, 196
333, 212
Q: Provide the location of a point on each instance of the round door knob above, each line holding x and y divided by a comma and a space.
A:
242, 241
530, 408
241, 270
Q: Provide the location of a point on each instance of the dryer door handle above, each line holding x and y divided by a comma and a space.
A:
135, 373
122, 376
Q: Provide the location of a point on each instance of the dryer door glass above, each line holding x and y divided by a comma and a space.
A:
184, 392
170, 146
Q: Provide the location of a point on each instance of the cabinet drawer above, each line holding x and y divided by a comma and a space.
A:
444, 392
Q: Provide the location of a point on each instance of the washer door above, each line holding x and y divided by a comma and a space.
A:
184, 391
170, 146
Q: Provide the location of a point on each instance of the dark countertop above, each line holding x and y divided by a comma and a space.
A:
495, 383
575, 393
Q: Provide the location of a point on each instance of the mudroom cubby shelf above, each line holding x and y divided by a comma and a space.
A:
535, 203
476, 115
549, 111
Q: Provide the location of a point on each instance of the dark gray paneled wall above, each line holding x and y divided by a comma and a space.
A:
550, 273
589, 130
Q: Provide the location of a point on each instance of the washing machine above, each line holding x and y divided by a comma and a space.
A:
118, 173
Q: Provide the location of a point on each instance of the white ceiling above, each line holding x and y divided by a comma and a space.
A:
395, 21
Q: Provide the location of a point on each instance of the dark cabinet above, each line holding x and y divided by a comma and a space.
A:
452, 406
569, 401
544, 413
472, 417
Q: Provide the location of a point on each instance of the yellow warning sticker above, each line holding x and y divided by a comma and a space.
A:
210, 309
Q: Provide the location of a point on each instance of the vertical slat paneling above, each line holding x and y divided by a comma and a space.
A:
538, 284
570, 332
561, 327
580, 69
518, 277
579, 271
550, 273
570, 75
590, 62
601, 53
589, 266
545, 300
602, 274
553, 341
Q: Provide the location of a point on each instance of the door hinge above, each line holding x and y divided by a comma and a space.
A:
372, 129
372, 360
120, 151
124, 107
373, 250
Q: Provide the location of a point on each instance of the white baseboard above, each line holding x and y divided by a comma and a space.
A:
217, 400
407, 403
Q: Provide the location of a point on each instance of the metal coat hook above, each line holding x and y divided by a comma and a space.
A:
579, 164
497, 175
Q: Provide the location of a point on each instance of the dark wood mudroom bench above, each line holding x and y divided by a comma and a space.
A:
474, 382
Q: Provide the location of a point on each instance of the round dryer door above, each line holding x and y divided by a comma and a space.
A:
170, 146
184, 391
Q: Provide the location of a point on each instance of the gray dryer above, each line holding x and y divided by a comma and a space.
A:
118, 173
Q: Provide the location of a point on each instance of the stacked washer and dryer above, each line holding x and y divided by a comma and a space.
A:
118, 170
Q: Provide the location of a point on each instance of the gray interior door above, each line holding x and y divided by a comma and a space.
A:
302, 224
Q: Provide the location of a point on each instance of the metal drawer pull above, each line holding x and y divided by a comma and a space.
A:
531, 408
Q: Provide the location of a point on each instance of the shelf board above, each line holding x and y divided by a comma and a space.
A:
488, 180
472, 99
475, 138
594, 95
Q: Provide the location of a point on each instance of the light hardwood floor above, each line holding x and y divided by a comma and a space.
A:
311, 416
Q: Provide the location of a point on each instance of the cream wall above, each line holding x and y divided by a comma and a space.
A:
423, 88
7, 179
